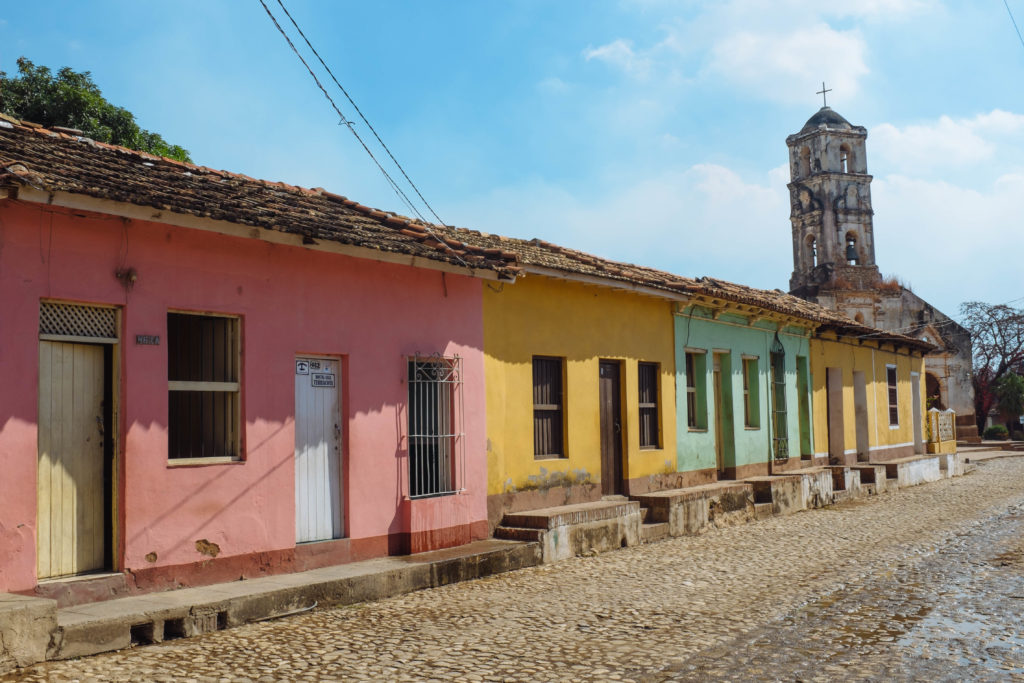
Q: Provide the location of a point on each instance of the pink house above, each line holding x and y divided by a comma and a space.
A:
206, 376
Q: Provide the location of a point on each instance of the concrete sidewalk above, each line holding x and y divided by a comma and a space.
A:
34, 629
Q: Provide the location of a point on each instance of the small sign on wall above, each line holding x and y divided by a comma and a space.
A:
302, 367
323, 379
147, 339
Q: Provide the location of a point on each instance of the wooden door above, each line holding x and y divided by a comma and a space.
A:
318, 488
71, 537
716, 384
611, 428
834, 397
860, 415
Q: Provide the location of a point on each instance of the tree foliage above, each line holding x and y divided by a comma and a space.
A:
72, 100
1009, 392
997, 332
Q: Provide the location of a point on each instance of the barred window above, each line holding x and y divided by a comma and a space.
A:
548, 408
779, 413
435, 425
647, 383
696, 390
203, 386
894, 410
751, 402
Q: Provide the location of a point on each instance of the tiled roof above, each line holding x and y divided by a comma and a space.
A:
61, 160
541, 254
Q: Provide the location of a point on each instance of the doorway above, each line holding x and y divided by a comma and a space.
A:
721, 383
834, 397
860, 415
76, 437
915, 397
611, 427
318, 478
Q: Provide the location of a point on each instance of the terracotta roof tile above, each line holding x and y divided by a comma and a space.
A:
59, 162
544, 254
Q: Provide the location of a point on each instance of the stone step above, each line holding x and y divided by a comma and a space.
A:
516, 533
571, 515
762, 510
655, 531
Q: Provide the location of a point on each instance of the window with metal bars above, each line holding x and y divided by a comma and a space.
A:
696, 390
436, 437
780, 422
894, 410
548, 408
647, 384
203, 386
751, 403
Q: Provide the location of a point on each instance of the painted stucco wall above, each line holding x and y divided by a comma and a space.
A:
291, 301
697, 331
583, 324
872, 361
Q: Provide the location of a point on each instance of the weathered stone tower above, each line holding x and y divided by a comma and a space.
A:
834, 258
830, 200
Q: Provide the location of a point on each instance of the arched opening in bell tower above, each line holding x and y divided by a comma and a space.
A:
845, 159
812, 251
852, 255
805, 162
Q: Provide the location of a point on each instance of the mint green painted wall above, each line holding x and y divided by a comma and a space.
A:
695, 448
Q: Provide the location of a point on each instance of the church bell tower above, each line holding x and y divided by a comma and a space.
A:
830, 207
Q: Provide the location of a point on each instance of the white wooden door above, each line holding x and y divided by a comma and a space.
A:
70, 537
317, 450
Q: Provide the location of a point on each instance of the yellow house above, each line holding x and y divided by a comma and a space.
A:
868, 404
580, 373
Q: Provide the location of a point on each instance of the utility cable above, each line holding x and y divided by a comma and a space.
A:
1014, 21
349, 124
354, 106
344, 120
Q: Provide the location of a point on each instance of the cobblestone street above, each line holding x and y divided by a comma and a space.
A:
925, 583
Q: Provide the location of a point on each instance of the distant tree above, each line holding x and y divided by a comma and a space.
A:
72, 100
997, 332
1009, 392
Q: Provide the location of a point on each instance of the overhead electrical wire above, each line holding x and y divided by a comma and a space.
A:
349, 124
1014, 21
358, 111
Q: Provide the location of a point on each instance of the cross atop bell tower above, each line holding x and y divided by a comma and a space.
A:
830, 205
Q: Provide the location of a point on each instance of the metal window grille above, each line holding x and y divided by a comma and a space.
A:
76, 320
780, 437
548, 432
894, 411
647, 382
436, 437
691, 390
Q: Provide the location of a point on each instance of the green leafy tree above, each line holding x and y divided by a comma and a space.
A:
1010, 394
72, 100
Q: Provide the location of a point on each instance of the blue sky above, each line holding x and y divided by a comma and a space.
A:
650, 131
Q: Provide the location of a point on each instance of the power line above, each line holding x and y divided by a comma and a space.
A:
1014, 21
354, 106
349, 125
344, 120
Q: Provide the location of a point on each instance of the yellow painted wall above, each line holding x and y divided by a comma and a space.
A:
851, 357
584, 324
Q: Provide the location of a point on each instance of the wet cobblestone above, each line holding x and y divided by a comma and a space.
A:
926, 583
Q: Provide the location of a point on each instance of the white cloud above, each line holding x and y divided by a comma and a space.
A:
949, 242
781, 66
619, 53
553, 85
948, 143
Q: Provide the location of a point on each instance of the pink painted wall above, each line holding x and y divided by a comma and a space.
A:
292, 301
